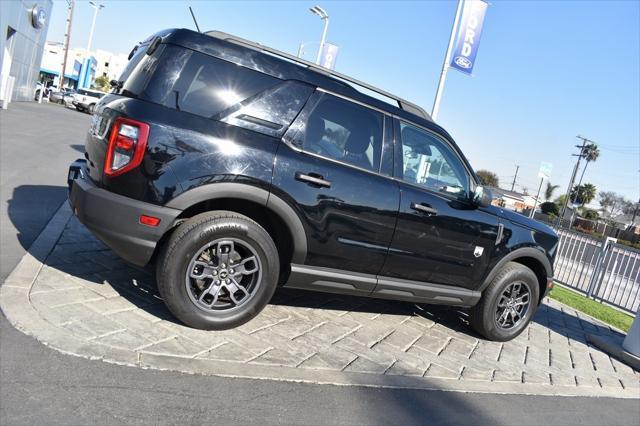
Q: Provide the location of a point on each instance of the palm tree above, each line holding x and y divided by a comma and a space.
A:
583, 194
548, 193
590, 152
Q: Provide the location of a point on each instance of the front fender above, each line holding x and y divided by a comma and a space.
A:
524, 252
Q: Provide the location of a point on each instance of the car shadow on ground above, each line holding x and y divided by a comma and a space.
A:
78, 147
82, 256
30, 209
138, 286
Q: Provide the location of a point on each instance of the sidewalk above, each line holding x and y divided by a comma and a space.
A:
73, 294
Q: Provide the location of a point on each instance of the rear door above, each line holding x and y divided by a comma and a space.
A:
328, 170
440, 236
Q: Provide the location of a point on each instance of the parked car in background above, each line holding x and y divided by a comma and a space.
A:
64, 96
86, 99
236, 168
39, 88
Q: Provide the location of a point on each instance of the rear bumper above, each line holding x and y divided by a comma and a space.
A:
115, 219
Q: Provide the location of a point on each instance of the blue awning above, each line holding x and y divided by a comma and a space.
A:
69, 76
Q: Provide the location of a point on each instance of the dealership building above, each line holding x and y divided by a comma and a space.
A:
23, 33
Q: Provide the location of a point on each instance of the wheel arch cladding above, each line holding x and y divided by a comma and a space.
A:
529, 257
271, 212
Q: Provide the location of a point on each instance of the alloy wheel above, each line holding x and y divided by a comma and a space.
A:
513, 305
223, 275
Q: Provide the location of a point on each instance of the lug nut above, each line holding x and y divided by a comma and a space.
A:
214, 272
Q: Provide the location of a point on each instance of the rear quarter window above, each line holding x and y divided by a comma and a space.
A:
203, 85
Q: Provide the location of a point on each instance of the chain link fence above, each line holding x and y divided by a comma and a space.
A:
601, 269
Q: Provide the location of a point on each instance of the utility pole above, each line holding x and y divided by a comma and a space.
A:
513, 184
580, 155
635, 213
67, 38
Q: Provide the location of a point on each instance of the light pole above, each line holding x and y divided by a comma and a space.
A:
445, 65
317, 10
96, 8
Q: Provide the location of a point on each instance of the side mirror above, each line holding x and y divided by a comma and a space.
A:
482, 196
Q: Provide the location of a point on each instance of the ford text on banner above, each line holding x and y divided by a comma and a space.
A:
328, 55
464, 54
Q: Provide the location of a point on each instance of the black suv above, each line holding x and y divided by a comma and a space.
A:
236, 168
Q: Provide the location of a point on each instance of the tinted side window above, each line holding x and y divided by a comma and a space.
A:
427, 161
205, 85
344, 131
271, 111
138, 70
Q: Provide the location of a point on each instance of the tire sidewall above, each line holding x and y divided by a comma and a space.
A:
519, 273
172, 279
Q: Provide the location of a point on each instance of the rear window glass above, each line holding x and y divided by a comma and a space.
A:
203, 85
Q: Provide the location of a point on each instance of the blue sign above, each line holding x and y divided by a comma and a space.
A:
328, 56
469, 31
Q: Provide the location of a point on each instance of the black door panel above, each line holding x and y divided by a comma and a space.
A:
349, 224
451, 247
440, 236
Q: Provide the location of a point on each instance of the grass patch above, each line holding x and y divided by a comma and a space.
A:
597, 310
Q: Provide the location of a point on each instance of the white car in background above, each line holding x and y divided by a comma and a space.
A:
86, 99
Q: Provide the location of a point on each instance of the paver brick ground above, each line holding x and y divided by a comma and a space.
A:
88, 293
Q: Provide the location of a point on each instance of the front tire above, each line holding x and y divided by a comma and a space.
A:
507, 304
218, 270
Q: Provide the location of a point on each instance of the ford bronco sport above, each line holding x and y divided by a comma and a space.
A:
235, 168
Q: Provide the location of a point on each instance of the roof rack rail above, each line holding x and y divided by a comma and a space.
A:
402, 103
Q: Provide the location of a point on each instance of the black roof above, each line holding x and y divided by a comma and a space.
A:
287, 67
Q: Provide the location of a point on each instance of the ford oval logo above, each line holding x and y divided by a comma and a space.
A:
463, 62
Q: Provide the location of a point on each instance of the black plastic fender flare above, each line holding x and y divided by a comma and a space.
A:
531, 252
241, 191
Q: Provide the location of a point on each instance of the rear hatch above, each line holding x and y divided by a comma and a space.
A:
141, 64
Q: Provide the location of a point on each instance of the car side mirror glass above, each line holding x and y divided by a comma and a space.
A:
482, 196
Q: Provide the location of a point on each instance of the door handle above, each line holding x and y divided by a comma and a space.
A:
313, 179
424, 208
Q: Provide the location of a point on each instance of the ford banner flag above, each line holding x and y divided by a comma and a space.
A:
469, 31
328, 55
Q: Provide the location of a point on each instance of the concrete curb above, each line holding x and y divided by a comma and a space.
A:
16, 305
616, 350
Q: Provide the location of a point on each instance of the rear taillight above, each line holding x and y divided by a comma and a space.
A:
127, 144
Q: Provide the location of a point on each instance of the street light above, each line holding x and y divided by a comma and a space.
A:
317, 10
96, 8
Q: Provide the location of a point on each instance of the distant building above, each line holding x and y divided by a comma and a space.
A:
51, 66
81, 69
23, 31
512, 200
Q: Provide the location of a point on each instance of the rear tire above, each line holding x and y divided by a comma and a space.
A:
507, 304
218, 270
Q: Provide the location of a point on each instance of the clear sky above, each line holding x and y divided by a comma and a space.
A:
546, 71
